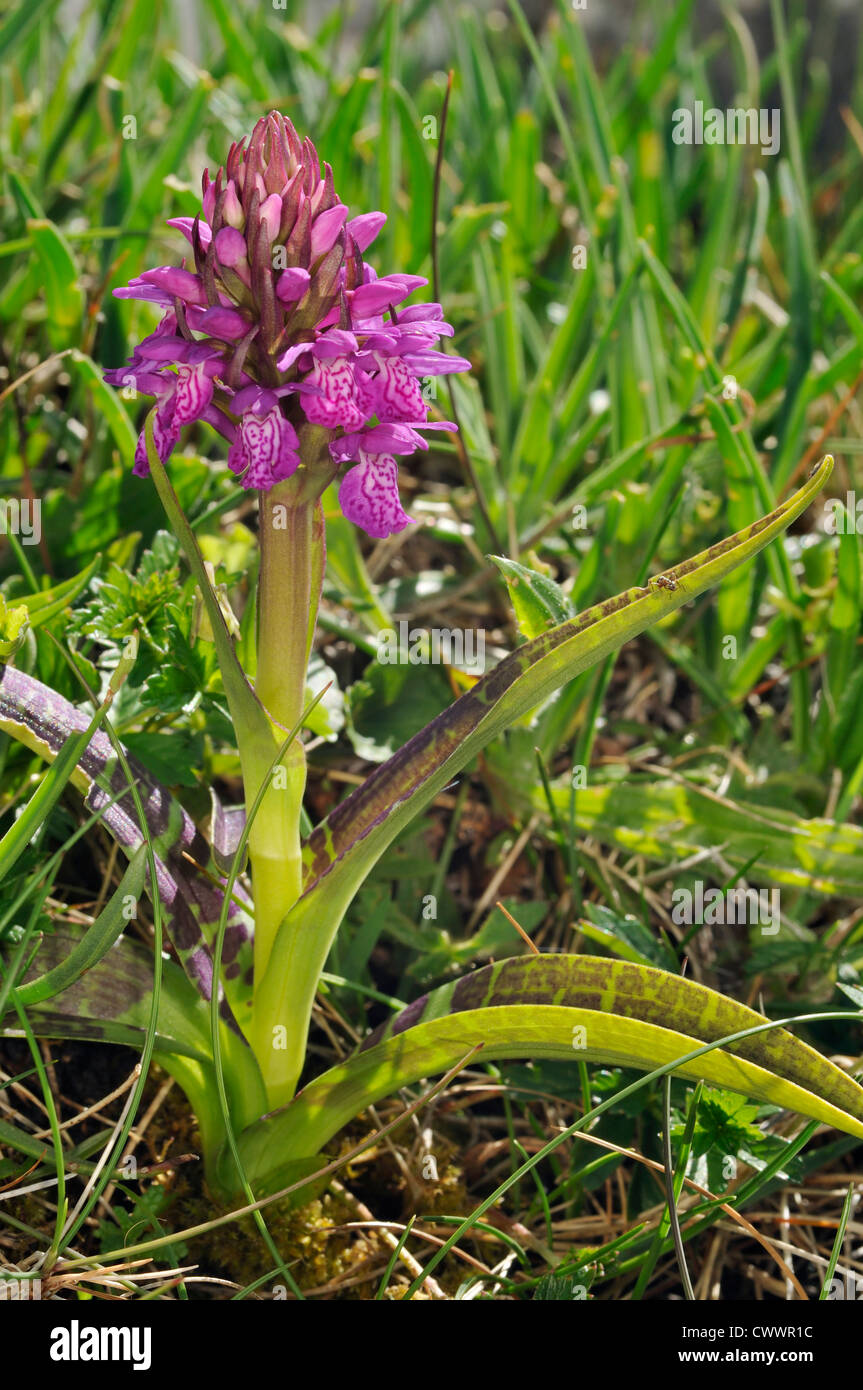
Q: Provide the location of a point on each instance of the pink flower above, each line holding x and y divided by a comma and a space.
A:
280, 324
266, 445
369, 496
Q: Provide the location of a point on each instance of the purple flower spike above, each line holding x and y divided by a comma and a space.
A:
278, 332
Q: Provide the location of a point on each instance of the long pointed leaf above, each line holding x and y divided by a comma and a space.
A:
360, 828
340, 853
575, 1008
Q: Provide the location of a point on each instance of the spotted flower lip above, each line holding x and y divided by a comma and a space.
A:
278, 326
369, 496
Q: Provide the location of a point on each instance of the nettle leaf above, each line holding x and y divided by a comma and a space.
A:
578, 1008
389, 703
538, 601
189, 679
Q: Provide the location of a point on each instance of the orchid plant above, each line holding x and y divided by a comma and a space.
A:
281, 336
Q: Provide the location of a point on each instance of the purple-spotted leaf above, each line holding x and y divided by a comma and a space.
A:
189, 880
341, 851
362, 825
226, 827
575, 1008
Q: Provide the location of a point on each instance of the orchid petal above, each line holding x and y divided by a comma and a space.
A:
369, 496
339, 402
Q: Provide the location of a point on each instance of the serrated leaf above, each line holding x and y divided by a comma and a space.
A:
538, 602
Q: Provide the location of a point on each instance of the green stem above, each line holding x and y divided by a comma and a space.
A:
285, 617
288, 595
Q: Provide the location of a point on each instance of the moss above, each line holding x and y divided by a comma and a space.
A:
314, 1253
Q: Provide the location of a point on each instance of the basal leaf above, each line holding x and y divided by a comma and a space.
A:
341, 851
577, 1008
538, 602
365, 822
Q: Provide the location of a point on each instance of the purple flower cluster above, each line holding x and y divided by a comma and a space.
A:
284, 339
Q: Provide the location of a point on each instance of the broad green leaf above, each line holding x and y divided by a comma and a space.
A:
576, 1008
341, 851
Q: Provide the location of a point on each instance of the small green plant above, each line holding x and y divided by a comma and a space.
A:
284, 340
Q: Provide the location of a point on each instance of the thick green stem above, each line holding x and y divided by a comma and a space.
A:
284, 618
285, 614
288, 594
